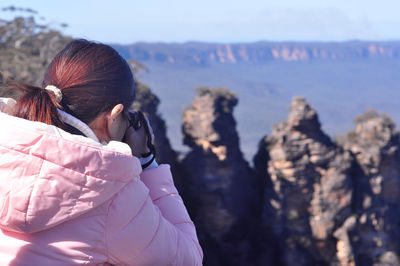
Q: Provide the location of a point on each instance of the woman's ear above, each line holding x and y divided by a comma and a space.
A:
113, 114
114, 123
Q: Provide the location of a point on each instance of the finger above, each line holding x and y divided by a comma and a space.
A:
136, 136
137, 141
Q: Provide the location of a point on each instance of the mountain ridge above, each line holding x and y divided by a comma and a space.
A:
202, 53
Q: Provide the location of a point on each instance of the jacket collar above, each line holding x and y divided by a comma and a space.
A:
78, 124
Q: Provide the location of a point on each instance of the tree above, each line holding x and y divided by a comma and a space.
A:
26, 48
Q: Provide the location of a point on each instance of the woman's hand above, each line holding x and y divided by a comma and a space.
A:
137, 139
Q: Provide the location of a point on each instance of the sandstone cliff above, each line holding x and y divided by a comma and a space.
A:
196, 53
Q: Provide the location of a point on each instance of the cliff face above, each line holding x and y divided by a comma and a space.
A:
207, 53
225, 199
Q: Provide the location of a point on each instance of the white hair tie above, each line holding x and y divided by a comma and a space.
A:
57, 92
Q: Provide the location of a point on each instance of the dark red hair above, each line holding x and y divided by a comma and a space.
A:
92, 77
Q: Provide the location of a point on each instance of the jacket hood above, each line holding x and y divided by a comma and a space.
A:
49, 176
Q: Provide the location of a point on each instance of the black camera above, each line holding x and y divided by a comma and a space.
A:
136, 121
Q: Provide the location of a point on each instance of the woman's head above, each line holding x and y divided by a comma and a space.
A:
93, 79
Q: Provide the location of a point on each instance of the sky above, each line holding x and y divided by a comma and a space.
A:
228, 21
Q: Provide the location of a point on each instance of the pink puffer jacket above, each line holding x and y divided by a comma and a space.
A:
68, 200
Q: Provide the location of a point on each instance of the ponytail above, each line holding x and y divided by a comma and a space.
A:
37, 104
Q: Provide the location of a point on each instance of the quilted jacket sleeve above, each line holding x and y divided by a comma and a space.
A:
147, 224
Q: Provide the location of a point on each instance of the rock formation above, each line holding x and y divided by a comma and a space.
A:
225, 199
375, 234
309, 188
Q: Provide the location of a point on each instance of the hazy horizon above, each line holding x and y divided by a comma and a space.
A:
261, 41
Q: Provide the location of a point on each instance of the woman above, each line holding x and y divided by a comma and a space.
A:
71, 192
